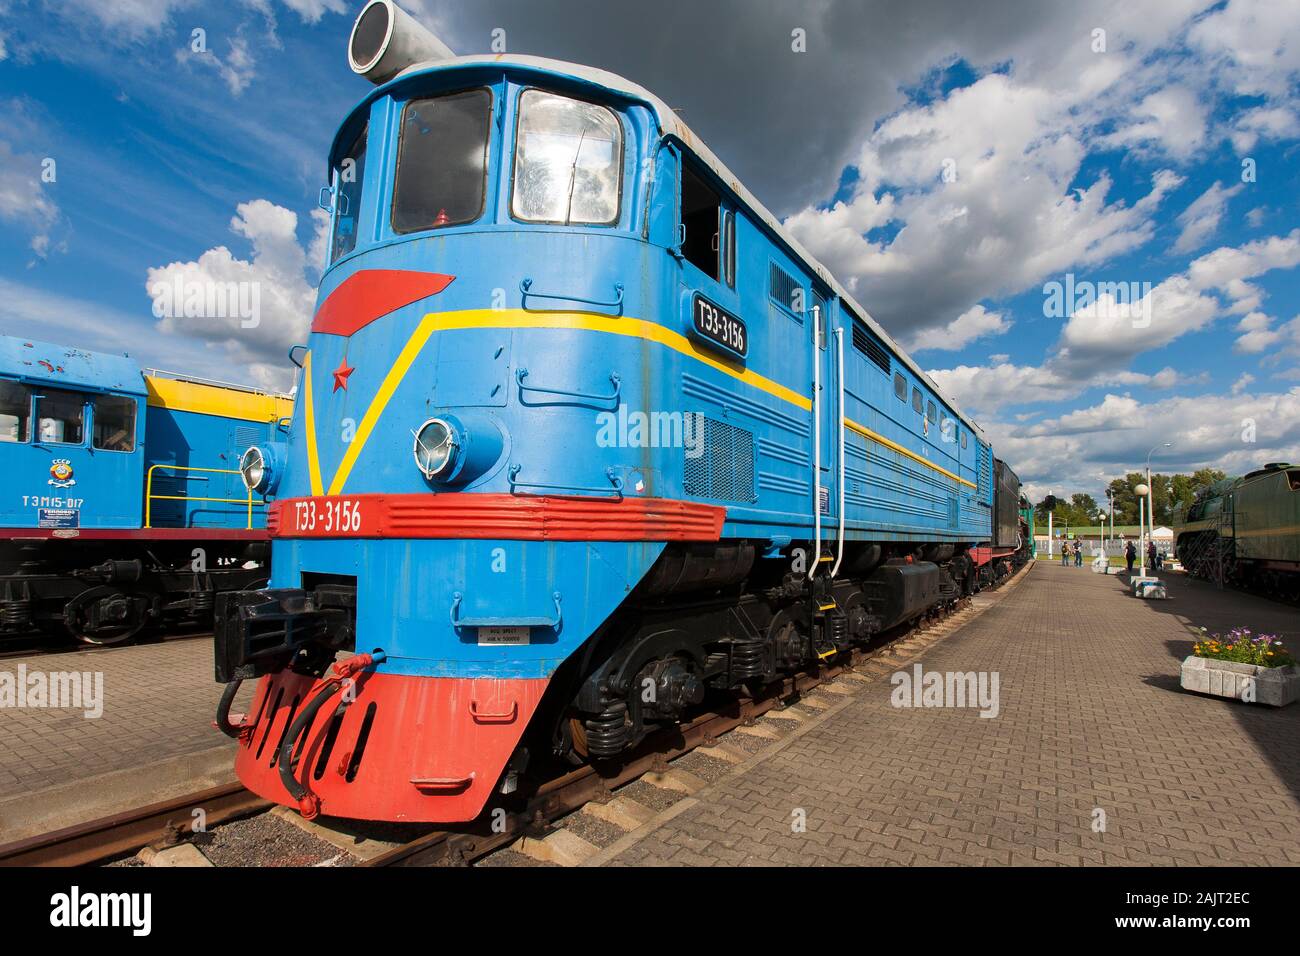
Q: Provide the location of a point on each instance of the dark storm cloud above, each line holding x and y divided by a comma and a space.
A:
786, 123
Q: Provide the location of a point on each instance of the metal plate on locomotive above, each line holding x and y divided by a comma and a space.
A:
719, 327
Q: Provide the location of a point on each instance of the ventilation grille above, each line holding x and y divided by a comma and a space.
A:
724, 466
246, 436
866, 343
781, 286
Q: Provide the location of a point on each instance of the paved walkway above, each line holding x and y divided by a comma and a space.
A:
1091, 722
158, 703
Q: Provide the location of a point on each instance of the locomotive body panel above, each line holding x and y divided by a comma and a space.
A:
557, 463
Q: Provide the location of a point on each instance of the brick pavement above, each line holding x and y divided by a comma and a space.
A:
1091, 718
159, 700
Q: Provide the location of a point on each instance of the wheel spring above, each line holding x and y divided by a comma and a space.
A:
748, 659
837, 629
16, 613
607, 733
202, 602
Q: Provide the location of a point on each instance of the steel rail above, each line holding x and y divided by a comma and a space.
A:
164, 823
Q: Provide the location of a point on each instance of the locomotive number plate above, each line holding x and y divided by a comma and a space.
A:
324, 516
719, 326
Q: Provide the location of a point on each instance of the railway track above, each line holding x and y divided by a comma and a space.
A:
171, 822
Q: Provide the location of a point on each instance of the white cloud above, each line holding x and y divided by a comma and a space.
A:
129, 18
1083, 449
278, 277
136, 18
1259, 335
237, 68
24, 198
1254, 45
312, 10
1005, 215
1229, 268
1270, 123
975, 323
1108, 333
1170, 120
1243, 383
1200, 219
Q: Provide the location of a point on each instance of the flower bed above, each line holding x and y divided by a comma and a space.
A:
1241, 647
1242, 667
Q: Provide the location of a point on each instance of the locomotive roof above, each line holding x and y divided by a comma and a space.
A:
37, 361
670, 124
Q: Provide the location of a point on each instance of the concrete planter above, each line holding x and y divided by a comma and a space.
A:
1274, 686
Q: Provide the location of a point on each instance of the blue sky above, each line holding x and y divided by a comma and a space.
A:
945, 169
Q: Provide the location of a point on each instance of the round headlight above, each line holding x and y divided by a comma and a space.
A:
252, 468
435, 448
260, 468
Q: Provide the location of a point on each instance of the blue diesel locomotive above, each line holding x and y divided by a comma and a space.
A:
122, 503
582, 435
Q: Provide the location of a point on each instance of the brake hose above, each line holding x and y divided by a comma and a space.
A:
308, 802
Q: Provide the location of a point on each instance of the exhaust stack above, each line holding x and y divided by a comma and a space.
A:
386, 40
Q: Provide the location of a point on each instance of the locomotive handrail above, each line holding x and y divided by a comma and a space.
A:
616, 492
839, 459
525, 289
150, 497
457, 622
522, 373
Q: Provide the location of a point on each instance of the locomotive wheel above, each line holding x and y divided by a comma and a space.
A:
103, 616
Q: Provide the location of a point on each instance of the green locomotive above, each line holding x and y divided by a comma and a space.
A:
1245, 532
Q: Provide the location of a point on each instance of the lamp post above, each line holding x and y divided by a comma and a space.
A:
1111, 495
1151, 501
1143, 492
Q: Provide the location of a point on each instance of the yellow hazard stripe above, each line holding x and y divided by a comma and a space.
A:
866, 432
309, 420
611, 325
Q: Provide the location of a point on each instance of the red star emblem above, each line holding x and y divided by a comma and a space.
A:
341, 375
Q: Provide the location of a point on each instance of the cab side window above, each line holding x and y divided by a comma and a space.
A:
701, 222
347, 198
114, 423
60, 417
15, 411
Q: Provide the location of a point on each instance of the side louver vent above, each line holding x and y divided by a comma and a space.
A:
718, 460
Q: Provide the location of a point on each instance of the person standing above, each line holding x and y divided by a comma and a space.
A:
1078, 554
1130, 555
1065, 554
1151, 555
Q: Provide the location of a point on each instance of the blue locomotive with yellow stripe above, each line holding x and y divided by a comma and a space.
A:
584, 435
122, 504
